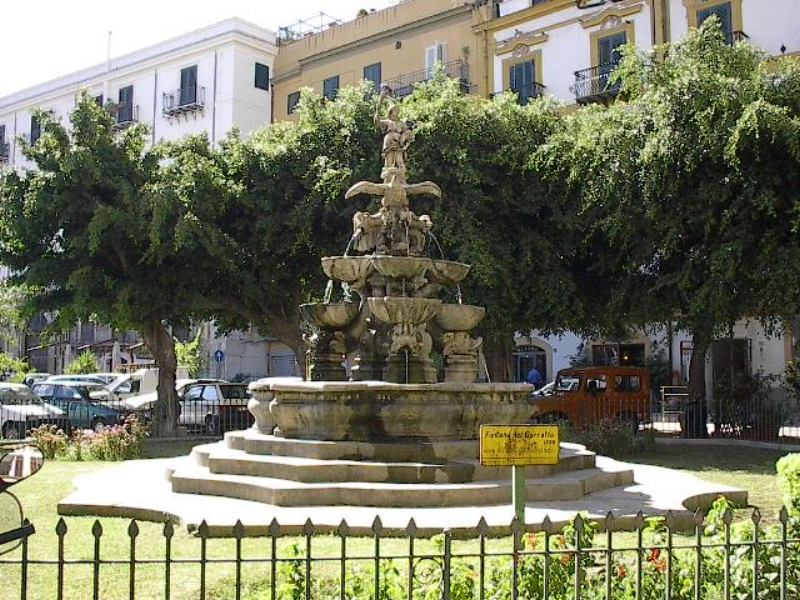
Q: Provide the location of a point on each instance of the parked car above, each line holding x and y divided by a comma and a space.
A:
77, 377
32, 378
21, 410
144, 402
215, 407
107, 378
75, 399
585, 396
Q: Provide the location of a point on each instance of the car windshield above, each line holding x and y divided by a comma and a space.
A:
568, 382
23, 395
234, 392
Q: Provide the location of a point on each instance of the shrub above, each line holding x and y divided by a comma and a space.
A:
118, 442
788, 469
610, 437
50, 440
85, 363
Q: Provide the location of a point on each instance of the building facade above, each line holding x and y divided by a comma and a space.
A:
397, 46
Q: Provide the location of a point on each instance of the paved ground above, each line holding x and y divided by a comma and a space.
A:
141, 490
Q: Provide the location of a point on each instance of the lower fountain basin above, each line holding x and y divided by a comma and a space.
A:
380, 411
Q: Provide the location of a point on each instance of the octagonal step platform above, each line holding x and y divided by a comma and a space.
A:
287, 472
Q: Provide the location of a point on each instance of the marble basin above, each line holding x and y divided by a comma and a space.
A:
349, 269
447, 272
401, 267
415, 311
459, 317
333, 315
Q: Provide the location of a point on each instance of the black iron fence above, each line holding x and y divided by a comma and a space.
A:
718, 558
404, 85
595, 84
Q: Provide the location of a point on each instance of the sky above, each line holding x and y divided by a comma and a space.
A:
44, 39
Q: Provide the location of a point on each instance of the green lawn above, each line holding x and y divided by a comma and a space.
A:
752, 469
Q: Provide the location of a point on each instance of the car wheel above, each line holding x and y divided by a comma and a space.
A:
98, 425
212, 425
12, 431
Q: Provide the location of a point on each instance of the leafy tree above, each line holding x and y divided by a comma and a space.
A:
84, 363
91, 234
688, 189
191, 355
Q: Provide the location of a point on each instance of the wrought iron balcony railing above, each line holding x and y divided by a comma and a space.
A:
739, 36
126, 114
403, 86
5, 152
595, 84
183, 100
528, 92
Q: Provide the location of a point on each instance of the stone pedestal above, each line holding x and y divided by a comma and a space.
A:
461, 367
411, 369
327, 367
367, 369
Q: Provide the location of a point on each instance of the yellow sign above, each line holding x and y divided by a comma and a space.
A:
519, 445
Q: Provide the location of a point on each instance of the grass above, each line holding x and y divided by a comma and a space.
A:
751, 469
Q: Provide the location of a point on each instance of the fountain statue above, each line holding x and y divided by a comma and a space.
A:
392, 319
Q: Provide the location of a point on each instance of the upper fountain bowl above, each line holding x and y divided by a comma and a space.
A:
349, 269
333, 315
447, 272
394, 310
401, 267
459, 317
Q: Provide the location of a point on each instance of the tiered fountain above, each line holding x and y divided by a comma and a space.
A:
389, 433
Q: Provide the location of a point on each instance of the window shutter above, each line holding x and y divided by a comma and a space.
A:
189, 85
441, 52
262, 76
430, 58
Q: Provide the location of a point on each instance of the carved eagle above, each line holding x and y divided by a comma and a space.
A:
380, 189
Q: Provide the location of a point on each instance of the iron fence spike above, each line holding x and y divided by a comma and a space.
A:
377, 526
516, 525
411, 528
483, 527
756, 516
202, 530
783, 516
133, 529
308, 527
639, 521
547, 524
343, 530
727, 517
610, 522
169, 529
578, 523
61, 527
97, 529
274, 528
238, 529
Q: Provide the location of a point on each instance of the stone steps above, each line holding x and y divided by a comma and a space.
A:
221, 459
570, 485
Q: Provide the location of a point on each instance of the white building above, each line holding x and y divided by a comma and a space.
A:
553, 47
210, 80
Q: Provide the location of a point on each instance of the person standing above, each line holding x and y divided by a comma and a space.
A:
534, 377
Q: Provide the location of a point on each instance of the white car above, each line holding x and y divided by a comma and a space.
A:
21, 410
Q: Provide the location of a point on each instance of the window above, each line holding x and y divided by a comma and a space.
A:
36, 129
193, 393
188, 85
608, 48
596, 383
292, 100
724, 13
210, 393
568, 382
98, 100
522, 80
3, 145
262, 76
434, 54
628, 383
125, 106
330, 87
373, 73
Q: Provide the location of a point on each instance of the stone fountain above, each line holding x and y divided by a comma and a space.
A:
393, 433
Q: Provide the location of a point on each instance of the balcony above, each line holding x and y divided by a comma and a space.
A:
739, 36
183, 101
528, 92
595, 85
403, 86
126, 115
5, 153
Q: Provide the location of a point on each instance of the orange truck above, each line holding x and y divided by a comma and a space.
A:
586, 396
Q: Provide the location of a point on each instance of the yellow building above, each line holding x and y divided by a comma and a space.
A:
397, 46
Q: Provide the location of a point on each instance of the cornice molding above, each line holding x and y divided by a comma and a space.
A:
618, 12
520, 38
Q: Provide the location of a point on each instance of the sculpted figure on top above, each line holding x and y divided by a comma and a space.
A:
394, 229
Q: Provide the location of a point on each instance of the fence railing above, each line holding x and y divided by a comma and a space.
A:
595, 84
404, 85
183, 100
585, 560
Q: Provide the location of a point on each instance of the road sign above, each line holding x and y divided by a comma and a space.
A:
219, 356
519, 445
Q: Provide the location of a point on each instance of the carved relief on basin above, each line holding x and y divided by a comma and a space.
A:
350, 269
459, 317
394, 310
333, 315
401, 267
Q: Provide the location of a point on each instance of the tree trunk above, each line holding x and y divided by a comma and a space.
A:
499, 352
162, 345
694, 425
